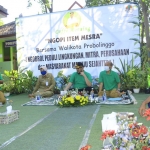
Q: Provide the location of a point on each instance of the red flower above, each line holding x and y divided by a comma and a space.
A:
143, 129
87, 147
147, 114
107, 133
136, 131
144, 148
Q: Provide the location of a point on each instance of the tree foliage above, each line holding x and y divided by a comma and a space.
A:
45, 5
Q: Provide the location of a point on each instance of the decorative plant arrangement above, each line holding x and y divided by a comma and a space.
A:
16, 82
7, 87
129, 136
70, 100
74, 99
132, 76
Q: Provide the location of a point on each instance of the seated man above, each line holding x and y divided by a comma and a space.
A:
143, 106
109, 80
45, 84
2, 98
80, 79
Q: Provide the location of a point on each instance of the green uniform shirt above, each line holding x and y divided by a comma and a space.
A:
110, 81
78, 80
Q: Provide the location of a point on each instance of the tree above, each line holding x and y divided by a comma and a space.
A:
145, 9
46, 5
1, 22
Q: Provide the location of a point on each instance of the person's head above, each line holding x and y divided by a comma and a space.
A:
108, 66
71, 14
43, 70
79, 67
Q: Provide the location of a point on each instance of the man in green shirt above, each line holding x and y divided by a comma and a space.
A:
80, 79
2, 98
109, 80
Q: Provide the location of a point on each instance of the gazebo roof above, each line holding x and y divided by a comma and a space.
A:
8, 30
75, 3
3, 12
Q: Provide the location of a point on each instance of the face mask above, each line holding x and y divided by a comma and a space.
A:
43, 73
106, 68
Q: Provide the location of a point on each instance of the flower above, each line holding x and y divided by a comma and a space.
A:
107, 133
147, 114
87, 147
70, 100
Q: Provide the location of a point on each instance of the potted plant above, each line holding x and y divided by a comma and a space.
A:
136, 76
7, 88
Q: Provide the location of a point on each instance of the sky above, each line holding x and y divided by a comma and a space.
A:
17, 7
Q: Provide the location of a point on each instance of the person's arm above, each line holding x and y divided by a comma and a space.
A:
118, 82
88, 82
101, 82
100, 87
71, 81
119, 86
37, 86
68, 86
143, 106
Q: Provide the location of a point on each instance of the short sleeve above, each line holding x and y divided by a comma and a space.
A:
72, 78
100, 78
89, 77
117, 78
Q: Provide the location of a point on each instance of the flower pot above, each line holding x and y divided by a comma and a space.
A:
136, 90
6, 94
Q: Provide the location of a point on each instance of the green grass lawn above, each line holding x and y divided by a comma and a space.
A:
61, 129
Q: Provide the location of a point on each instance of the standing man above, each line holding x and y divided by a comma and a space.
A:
80, 79
45, 84
109, 80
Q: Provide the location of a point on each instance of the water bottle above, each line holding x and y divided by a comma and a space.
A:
104, 95
76, 91
38, 97
92, 93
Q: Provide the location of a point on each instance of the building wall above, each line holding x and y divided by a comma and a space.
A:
7, 57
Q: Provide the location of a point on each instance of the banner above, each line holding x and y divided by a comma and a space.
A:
91, 35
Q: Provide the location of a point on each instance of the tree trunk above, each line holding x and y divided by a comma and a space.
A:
146, 24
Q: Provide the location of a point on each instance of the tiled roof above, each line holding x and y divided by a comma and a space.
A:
8, 30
